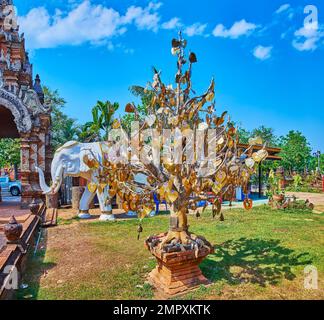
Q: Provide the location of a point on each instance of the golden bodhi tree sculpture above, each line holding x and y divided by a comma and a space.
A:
186, 151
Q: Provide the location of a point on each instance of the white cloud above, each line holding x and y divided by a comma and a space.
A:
84, 23
308, 37
262, 53
283, 8
306, 45
238, 29
144, 18
173, 23
196, 29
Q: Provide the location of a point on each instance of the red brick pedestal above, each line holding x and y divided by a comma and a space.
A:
178, 272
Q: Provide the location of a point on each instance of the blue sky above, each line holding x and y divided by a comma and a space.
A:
268, 67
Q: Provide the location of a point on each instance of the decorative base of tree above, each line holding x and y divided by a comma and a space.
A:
178, 253
177, 270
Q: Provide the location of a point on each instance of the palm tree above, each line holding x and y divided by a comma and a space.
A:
104, 114
102, 119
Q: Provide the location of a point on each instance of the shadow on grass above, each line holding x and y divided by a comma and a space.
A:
37, 267
255, 261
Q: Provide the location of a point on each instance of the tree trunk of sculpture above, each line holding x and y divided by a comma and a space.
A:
178, 227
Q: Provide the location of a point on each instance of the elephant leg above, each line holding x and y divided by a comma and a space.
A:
105, 205
85, 202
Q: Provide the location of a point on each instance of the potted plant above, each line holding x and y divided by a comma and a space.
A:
275, 192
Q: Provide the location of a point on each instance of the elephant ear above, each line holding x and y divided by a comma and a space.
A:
68, 144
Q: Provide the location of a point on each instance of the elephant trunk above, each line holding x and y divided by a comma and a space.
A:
57, 181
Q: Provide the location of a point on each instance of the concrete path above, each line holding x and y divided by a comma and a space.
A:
239, 205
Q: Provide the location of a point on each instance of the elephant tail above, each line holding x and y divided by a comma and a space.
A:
56, 183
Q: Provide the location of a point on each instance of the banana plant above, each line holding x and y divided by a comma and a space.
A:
103, 114
102, 119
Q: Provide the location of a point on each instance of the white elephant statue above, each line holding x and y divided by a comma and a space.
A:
69, 161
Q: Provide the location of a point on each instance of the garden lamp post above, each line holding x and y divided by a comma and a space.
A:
318, 155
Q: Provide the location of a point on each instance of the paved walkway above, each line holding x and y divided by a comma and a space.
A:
7, 209
239, 204
10, 198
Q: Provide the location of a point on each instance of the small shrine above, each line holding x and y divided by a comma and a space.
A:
23, 114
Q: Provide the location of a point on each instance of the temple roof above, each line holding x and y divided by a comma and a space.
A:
15, 69
38, 88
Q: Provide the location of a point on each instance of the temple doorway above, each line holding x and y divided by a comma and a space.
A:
24, 144
10, 161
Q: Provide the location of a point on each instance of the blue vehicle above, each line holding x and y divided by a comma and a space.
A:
14, 187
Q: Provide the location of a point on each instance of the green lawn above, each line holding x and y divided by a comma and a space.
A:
260, 254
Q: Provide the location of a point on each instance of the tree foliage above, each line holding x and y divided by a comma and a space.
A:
64, 128
267, 135
244, 135
296, 153
314, 163
102, 120
9, 152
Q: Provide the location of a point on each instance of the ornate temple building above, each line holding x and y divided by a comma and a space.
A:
22, 111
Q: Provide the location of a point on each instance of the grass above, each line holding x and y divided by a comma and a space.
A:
260, 254
303, 189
